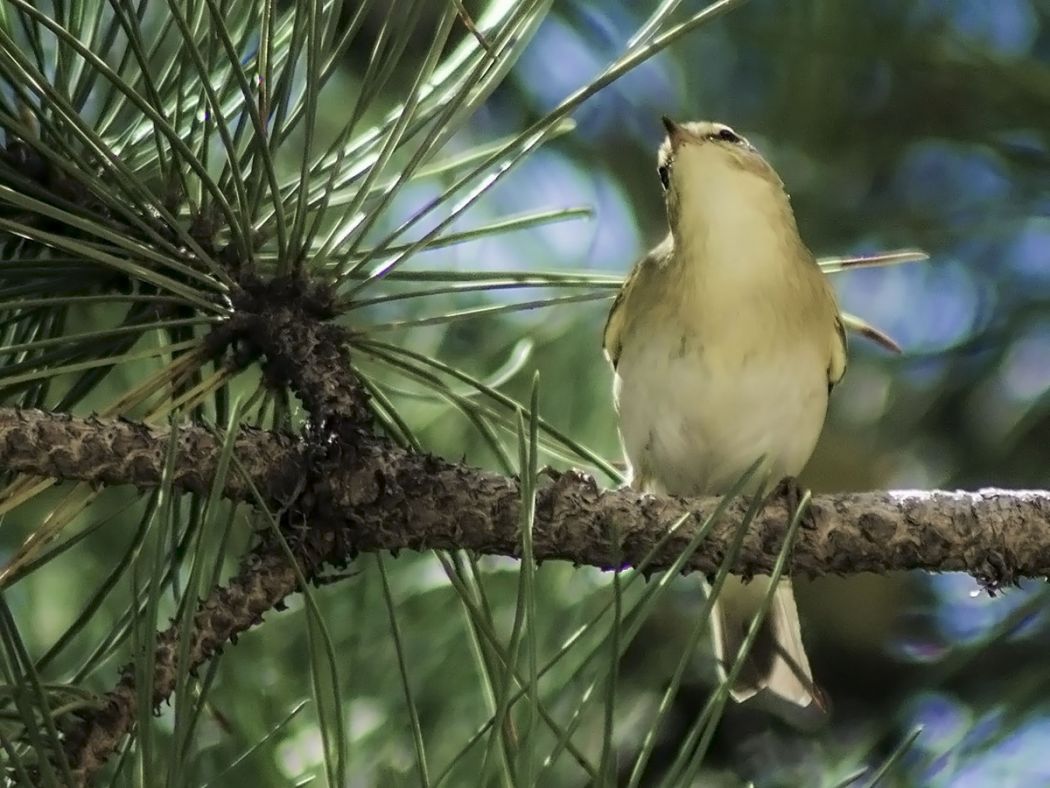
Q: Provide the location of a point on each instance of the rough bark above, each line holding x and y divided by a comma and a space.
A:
265, 579
385, 498
116, 451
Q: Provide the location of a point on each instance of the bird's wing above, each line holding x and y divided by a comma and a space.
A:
837, 363
614, 322
612, 340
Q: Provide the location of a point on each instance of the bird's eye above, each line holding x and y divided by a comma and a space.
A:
728, 135
665, 176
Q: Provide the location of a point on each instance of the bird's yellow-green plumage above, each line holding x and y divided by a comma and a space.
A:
725, 341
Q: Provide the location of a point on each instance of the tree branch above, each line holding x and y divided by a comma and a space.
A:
393, 500
117, 451
286, 320
266, 577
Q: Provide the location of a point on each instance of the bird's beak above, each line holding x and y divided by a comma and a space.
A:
676, 133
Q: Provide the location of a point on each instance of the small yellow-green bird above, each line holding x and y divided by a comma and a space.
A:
726, 341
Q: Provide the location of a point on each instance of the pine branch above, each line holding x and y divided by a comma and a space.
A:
118, 451
266, 577
396, 500
285, 320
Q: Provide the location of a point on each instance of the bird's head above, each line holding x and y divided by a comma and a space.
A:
710, 172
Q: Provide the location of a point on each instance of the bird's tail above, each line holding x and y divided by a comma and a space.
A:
777, 660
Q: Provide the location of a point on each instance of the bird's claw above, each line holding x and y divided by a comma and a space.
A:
793, 494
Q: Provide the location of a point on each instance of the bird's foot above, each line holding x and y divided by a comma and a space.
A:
793, 494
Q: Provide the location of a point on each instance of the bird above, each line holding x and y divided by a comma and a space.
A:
726, 341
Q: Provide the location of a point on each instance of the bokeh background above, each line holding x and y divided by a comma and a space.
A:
894, 123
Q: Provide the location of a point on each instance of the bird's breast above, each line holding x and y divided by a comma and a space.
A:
698, 409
